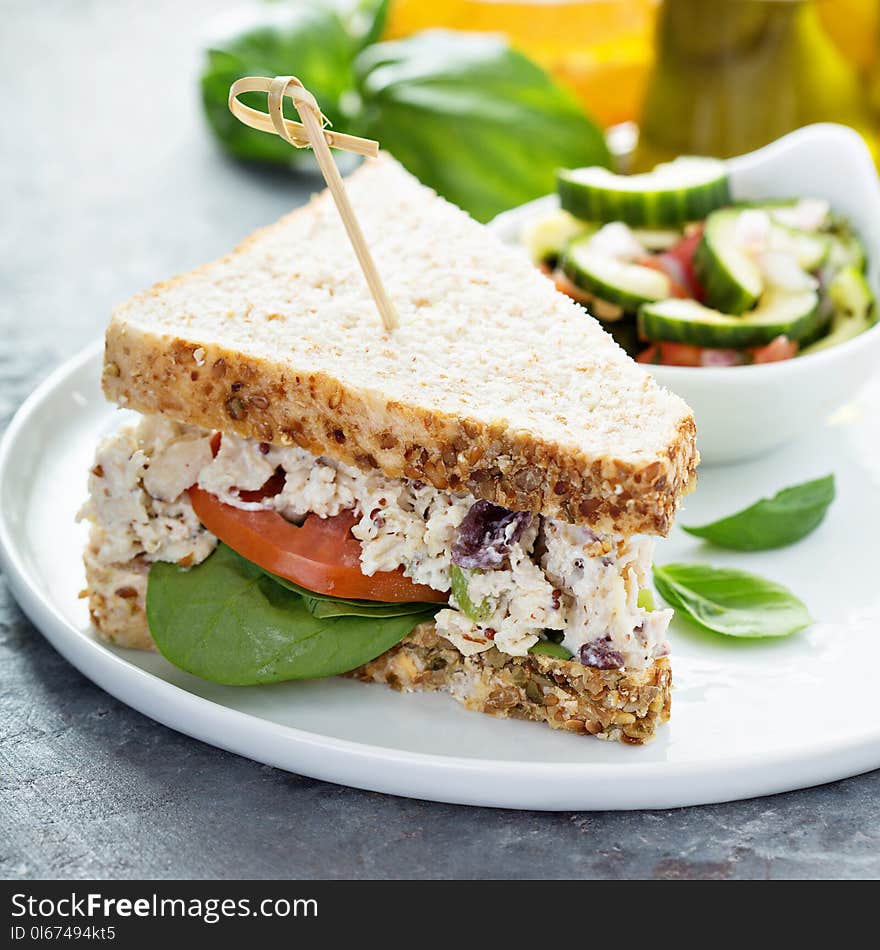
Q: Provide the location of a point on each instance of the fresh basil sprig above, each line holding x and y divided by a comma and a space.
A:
227, 621
474, 118
732, 602
466, 113
788, 516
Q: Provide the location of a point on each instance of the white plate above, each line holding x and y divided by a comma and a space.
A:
749, 718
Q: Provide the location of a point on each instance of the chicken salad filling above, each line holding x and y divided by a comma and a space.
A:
516, 580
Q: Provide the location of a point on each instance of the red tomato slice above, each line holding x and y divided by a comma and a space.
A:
679, 354
683, 255
776, 350
672, 269
321, 555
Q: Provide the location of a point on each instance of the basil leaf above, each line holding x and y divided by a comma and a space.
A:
473, 118
731, 602
365, 20
788, 516
545, 648
308, 39
227, 621
325, 605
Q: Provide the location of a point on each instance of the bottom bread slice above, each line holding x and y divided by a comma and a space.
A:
622, 705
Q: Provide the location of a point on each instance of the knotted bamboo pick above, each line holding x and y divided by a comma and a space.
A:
311, 132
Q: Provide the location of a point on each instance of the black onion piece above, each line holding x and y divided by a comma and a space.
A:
486, 536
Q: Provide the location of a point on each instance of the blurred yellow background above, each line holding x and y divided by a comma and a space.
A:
601, 49
821, 56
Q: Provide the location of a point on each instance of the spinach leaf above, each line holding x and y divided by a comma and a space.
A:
307, 39
347, 608
325, 605
788, 516
731, 602
473, 118
227, 621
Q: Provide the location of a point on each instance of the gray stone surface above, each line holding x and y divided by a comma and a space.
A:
110, 182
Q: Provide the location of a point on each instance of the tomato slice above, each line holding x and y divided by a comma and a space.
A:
776, 350
672, 269
676, 354
682, 254
321, 555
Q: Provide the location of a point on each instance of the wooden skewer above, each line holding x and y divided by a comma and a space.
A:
311, 132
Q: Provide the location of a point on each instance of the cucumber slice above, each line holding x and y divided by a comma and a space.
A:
732, 281
800, 214
657, 240
686, 321
618, 282
854, 309
845, 250
545, 237
686, 189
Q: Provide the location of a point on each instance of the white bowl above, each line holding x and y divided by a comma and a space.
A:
746, 411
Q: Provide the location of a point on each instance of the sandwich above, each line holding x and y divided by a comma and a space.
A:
467, 504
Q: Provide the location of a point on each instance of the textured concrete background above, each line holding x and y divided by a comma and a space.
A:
110, 183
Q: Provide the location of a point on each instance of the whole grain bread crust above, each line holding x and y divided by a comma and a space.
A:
621, 705
116, 595
218, 388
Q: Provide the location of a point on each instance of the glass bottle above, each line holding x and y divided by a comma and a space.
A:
732, 75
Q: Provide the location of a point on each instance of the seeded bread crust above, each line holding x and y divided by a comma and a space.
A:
493, 383
620, 705
218, 388
117, 594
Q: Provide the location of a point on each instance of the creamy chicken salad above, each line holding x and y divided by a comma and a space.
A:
515, 578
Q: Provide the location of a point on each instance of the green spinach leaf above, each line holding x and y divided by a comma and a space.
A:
732, 602
473, 118
325, 605
788, 516
227, 621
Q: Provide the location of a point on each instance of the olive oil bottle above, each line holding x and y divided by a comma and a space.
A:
732, 75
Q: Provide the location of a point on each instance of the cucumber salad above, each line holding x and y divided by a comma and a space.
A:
682, 275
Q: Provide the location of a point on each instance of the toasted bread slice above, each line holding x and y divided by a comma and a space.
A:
493, 383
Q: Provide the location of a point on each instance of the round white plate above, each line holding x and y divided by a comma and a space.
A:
749, 717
